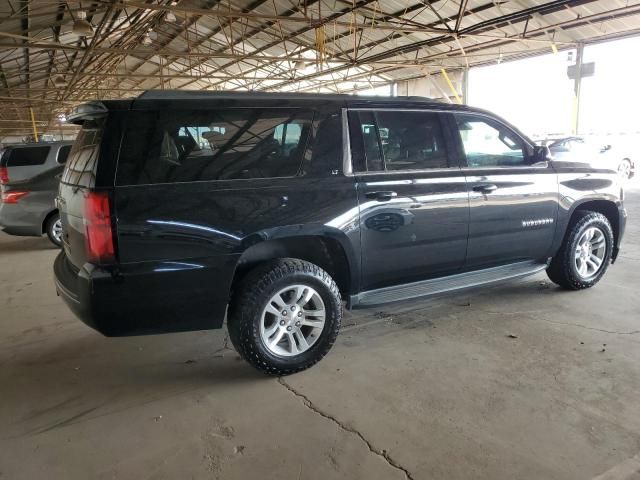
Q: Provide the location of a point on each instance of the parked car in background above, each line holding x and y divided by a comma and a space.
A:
20, 162
594, 152
27, 207
180, 207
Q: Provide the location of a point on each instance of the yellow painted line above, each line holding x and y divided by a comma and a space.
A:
453, 90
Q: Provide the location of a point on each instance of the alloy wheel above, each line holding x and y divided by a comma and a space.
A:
590, 253
292, 320
56, 230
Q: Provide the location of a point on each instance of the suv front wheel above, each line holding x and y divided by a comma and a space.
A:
585, 254
285, 316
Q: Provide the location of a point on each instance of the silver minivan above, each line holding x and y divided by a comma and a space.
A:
21, 162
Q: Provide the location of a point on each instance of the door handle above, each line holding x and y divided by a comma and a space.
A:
381, 196
485, 188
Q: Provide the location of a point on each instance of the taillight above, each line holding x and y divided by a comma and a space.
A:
14, 196
97, 228
4, 175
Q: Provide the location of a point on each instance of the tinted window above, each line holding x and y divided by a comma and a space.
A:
366, 153
325, 149
411, 140
26, 156
63, 153
184, 146
83, 157
489, 144
401, 140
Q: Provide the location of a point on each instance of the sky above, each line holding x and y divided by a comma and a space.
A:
536, 95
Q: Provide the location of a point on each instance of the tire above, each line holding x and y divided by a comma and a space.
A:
53, 229
564, 267
625, 169
253, 315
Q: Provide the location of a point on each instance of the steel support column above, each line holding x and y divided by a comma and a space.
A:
577, 84
465, 86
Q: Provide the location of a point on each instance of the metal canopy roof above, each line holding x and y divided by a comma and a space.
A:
268, 45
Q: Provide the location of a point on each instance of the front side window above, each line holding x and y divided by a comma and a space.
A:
489, 144
184, 146
397, 140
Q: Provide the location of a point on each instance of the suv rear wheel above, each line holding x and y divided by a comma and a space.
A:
53, 228
585, 254
285, 316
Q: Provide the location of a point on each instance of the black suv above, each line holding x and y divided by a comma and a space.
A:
179, 208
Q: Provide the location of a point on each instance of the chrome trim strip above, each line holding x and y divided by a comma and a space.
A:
404, 172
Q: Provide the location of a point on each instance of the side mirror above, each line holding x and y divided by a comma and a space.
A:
541, 154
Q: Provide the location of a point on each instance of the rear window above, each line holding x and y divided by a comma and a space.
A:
83, 157
25, 156
63, 153
185, 146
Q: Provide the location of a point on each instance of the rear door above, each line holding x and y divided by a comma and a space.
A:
79, 176
25, 162
513, 201
412, 196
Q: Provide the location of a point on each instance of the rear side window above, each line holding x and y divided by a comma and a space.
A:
397, 140
185, 146
25, 156
83, 157
63, 153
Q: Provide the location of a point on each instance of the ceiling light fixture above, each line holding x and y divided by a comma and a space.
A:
81, 26
146, 39
170, 17
59, 81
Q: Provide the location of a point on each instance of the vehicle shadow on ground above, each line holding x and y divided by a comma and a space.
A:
103, 376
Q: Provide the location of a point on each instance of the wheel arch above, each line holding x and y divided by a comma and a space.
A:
607, 208
43, 224
328, 252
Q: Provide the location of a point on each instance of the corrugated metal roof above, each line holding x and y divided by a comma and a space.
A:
277, 45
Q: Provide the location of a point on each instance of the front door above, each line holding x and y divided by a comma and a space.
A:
412, 198
513, 201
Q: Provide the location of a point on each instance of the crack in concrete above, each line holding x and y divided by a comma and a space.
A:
528, 316
632, 332
225, 345
311, 406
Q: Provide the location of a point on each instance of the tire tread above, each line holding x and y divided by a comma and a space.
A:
247, 303
560, 270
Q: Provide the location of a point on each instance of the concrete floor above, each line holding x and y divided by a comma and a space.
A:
425, 390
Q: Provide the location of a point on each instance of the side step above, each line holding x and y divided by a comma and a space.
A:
451, 283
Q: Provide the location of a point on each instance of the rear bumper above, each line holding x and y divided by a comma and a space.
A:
147, 298
15, 220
